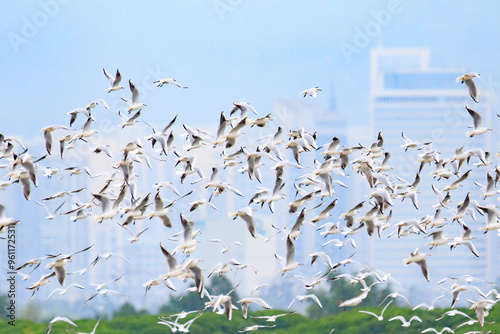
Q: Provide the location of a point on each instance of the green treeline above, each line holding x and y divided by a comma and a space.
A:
127, 319
349, 321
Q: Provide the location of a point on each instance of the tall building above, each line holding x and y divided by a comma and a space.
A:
410, 96
327, 123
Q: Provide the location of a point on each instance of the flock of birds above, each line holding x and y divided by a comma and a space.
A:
118, 200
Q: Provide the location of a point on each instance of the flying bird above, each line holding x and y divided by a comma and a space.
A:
133, 103
306, 297
288, 263
467, 79
166, 81
478, 128
246, 214
311, 91
93, 330
59, 319
418, 258
378, 317
404, 322
113, 82
58, 265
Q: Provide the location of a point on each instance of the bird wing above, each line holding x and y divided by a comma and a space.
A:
102, 102
109, 77
290, 251
470, 245
97, 324
472, 89
105, 202
136, 115
123, 117
118, 78
329, 207
316, 299
170, 124
171, 261
490, 183
399, 317
250, 224
476, 117
44, 207
425, 270
198, 279
139, 234
57, 319
258, 301
54, 291
158, 202
222, 125
291, 303
61, 274
134, 91
81, 251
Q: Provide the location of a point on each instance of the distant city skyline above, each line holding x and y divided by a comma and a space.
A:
403, 103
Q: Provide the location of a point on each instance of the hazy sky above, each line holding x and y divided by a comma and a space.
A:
225, 51
53, 52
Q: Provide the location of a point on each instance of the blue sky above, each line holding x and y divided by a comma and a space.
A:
225, 51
